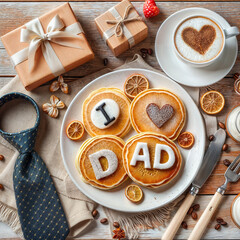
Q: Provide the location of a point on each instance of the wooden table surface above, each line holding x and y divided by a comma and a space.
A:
15, 13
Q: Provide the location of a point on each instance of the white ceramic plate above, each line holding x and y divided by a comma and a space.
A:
180, 71
115, 198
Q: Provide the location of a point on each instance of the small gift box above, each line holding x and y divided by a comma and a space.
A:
121, 27
47, 46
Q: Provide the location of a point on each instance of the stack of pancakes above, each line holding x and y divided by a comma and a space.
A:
141, 114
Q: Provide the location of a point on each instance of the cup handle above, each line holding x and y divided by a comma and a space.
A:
231, 32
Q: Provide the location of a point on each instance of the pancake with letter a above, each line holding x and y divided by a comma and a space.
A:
99, 161
106, 112
159, 111
151, 159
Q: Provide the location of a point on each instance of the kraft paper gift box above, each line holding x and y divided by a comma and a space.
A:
128, 22
62, 37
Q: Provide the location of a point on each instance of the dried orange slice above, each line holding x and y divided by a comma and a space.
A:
135, 84
186, 140
212, 102
75, 130
134, 193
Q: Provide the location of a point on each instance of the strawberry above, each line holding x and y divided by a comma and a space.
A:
150, 9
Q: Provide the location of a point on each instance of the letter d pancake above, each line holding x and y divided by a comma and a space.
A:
99, 161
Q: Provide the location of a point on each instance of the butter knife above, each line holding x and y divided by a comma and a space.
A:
210, 160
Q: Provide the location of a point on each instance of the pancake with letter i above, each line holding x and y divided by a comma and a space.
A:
159, 111
106, 111
99, 161
151, 159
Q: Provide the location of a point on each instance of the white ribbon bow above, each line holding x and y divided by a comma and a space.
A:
35, 36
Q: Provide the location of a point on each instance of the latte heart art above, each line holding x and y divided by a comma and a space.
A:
201, 40
159, 116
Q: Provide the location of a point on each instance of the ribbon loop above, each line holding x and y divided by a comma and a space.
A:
56, 24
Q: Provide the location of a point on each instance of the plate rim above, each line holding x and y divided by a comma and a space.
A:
179, 12
114, 72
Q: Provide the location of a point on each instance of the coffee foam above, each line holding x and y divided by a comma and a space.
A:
188, 52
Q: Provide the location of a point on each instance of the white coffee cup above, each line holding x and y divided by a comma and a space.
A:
226, 33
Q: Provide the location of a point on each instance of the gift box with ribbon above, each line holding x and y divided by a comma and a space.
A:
47, 46
121, 27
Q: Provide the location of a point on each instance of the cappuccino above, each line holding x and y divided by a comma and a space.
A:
199, 39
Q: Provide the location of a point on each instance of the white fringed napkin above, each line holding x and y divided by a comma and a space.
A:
77, 207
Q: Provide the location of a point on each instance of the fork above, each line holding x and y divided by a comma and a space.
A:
232, 174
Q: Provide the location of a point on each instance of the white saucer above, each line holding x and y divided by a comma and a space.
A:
180, 71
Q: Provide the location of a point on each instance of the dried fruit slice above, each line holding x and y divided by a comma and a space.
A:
134, 193
212, 102
75, 130
186, 140
135, 84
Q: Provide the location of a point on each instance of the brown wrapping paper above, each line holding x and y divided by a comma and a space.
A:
118, 45
69, 57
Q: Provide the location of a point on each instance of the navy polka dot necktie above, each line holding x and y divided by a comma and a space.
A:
39, 208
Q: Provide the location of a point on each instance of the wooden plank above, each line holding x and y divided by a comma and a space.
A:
100, 231
217, 178
113, 0
14, 15
4, 81
97, 231
6, 68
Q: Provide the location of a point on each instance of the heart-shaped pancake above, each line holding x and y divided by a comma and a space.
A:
159, 116
201, 40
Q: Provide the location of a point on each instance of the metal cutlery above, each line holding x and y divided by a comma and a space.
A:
209, 162
232, 174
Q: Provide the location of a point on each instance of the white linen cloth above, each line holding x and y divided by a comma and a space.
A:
77, 206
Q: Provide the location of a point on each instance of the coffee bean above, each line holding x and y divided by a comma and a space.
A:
143, 50
105, 61
104, 221
224, 223
196, 207
219, 220
184, 225
225, 147
211, 137
95, 213
1, 157
1, 187
236, 76
190, 211
226, 162
194, 216
150, 51
116, 225
221, 125
144, 55
217, 226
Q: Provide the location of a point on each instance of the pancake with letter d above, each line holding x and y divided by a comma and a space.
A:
151, 159
99, 161
159, 111
106, 112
